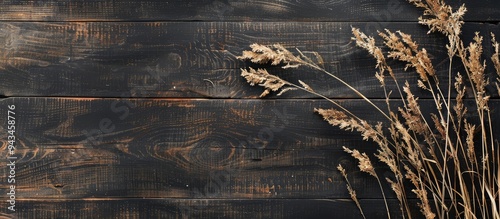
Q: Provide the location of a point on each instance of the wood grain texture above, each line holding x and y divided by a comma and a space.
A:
193, 59
136, 109
231, 10
202, 208
177, 148
167, 148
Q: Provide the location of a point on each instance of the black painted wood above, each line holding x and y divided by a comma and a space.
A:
194, 59
231, 10
82, 148
78, 148
188, 139
203, 208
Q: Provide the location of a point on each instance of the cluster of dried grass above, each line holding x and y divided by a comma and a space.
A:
452, 170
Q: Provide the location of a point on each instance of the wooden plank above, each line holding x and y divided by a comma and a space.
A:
241, 10
188, 173
191, 59
167, 148
201, 208
176, 148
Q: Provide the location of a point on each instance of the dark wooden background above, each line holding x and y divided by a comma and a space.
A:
135, 109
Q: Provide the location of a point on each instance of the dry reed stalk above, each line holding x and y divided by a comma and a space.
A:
451, 162
351, 191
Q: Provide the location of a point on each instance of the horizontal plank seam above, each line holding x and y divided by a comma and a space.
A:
215, 98
211, 199
495, 22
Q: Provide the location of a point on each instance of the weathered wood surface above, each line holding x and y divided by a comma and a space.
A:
176, 148
167, 153
165, 148
231, 10
203, 208
191, 59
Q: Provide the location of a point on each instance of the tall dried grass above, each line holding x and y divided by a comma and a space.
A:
450, 163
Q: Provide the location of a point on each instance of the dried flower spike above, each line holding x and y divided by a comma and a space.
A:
404, 49
351, 191
365, 165
275, 54
263, 78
